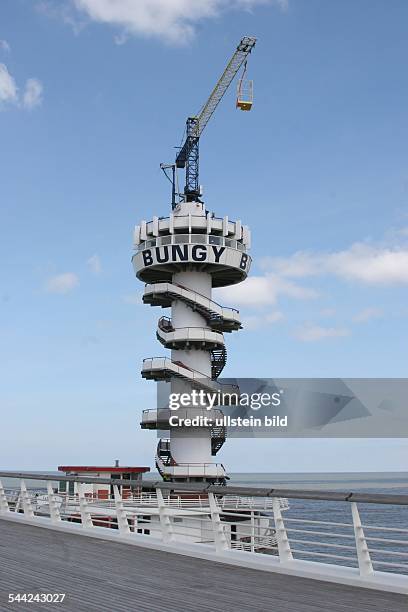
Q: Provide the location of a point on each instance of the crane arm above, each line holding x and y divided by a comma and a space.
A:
244, 48
188, 155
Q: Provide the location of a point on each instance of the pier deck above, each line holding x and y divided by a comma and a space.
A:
99, 576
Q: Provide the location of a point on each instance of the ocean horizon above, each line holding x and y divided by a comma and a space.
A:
379, 481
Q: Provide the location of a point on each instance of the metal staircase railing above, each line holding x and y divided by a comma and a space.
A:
188, 335
211, 313
165, 324
218, 361
218, 437
163, 456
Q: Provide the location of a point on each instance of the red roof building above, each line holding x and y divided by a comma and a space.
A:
101, 490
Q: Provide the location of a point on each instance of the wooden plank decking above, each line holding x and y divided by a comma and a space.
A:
103, 576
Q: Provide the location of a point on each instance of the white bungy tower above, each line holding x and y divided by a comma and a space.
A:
181, 258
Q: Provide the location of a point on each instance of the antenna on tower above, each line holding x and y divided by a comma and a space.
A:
173, 181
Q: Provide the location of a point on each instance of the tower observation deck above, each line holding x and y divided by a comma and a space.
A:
181, 258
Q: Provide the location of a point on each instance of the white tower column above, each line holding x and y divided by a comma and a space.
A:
181, 258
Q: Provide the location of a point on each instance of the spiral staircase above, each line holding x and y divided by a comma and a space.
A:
219, 319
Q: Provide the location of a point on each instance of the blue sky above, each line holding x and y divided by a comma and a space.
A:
93, 96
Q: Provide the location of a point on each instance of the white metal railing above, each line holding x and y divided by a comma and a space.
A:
163, 367
231, 502
252, 525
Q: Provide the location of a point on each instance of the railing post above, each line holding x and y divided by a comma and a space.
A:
4, 506
363, 554
121, 515
252, 531
26, 501
52, 504
86, 518
221, 542
285, 554
165, 522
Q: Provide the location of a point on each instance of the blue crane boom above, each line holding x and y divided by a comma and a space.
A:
188, 156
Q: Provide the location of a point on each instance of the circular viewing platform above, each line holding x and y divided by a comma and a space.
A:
225, 259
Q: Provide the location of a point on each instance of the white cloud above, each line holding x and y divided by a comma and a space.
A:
4, 46
94, 264
367, 315
264, 290
62, 283
274, 317
8, 87
62, 11
365, 263
313, 333
32, 94
255, 322
371, 265
298, 265
173, 21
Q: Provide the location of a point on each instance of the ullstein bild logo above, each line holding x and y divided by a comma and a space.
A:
188, 252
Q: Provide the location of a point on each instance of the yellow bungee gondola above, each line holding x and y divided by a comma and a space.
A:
245, 92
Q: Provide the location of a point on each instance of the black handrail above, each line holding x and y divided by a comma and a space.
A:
346, 496
169, 324
159, 282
